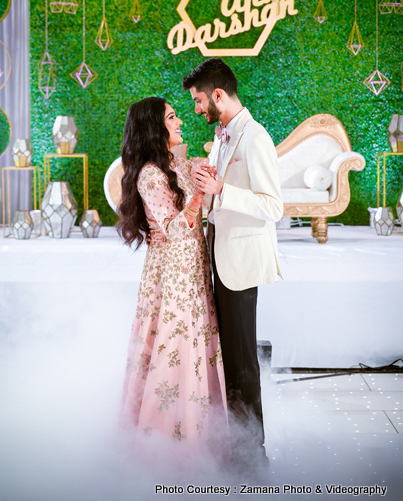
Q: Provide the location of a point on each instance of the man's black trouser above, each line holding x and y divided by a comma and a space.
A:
236, 311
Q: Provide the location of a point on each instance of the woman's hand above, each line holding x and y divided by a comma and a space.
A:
206, 182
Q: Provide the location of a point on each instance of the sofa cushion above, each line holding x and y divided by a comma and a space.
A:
304, 196
318, 178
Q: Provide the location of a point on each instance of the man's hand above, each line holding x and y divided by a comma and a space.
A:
206, 182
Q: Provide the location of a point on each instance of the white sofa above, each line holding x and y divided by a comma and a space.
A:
321, 141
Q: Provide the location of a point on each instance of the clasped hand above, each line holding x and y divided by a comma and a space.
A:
207, 181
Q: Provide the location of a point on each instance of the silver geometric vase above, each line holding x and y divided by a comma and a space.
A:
36, 215
22, 224
399, 208
384, 221
22, 152
59, 209
396, 133
90, 223
65, 135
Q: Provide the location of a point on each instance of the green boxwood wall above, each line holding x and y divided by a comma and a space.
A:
303, 69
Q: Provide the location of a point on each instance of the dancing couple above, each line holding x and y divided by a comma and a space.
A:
192, 371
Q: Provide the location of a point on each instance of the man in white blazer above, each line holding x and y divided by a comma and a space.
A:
242, 241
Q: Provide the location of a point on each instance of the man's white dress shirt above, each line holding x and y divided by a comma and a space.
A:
230, 127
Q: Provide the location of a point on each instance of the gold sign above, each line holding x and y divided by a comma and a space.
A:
253, 13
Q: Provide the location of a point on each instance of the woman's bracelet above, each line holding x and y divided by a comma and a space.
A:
190, 212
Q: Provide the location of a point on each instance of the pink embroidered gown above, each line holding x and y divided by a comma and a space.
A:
174, 381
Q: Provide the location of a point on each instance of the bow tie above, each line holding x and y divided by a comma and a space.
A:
222, 133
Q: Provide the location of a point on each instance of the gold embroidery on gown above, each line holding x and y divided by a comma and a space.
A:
174, 379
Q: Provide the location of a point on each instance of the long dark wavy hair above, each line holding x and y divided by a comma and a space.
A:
145, 140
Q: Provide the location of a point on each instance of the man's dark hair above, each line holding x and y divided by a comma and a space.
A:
209, 75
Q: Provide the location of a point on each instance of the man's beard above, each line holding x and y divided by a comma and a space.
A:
213, 112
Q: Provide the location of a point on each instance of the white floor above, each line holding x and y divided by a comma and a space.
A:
341, 430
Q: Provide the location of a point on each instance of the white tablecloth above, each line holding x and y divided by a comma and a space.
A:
339, 304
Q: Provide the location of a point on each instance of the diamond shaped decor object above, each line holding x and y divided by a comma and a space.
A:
135, 11
84, 75
22, 224
320, 13
68, 7
377, 82
384, 221
22, 152
399, 208
90, 223
61, 216
387, 7
47, 75
355, 42
396, 133
56, 7
104, 39
65, 135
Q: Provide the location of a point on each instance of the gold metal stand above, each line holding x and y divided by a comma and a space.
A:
46, 172
37, 195
378, 183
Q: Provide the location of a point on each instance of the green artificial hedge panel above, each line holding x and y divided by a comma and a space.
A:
303, 69
5, 131
4, 8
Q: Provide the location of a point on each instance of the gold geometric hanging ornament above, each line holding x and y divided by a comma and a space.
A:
355, 42
83, 74
68, 7
387, 7
47, 75
320, 13
377, 81
135, 11
46, 66
104, 39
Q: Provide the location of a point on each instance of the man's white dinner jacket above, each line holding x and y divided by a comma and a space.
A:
245, 248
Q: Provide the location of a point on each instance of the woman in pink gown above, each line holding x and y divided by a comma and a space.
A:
174, 383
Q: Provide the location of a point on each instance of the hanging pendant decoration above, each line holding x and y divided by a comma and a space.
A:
83, 74
47, 75
320, 13
68, 7
104, 39
135, 11
377, 81
387, 7
355, 42
46, 66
